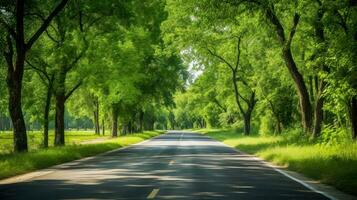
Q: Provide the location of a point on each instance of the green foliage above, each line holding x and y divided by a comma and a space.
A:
96, 56
266, 127
323, 49
197, 64
333, 135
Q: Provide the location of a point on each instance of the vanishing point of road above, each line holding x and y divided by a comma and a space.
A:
176, 165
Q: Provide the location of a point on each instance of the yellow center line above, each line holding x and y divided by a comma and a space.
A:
153, 193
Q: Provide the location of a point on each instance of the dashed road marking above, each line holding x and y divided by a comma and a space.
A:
153, 193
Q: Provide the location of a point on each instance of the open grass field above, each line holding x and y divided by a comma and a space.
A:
335, 165
12, 164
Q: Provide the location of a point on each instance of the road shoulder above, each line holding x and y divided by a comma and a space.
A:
42, 172
326, 190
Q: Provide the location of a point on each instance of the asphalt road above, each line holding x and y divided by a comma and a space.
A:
177, 165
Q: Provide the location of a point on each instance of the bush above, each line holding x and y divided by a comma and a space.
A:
332, 135
266, 126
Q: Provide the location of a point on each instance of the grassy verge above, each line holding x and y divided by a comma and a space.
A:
19, 163
335, 165
35, 139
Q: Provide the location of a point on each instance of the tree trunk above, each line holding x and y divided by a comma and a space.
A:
318, 116
60, 95
200, 124
14, 80
304, 99
311, 81
276, 115
278, 124
305, 104
59, 123
235, 85
320, 84
124, 129
17, 118
141, 121
115, 113
318, 112
15, 72
95, 122
46, 114
247, 114
151, 125
129, 127
103, 127
96, 117
247, 119
14, 83
353, 116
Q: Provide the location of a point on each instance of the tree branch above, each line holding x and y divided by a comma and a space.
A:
80, 20
90, 24
278, 27
8, 27
253, 100
10, 53
46, 31
293, 29
220, 58
238, 54
244, 82
244, 99
44, 79
342, 22
46, 23
73, 89
215, 100
241, 107
43, 72
236, 93
36, 15
52, 38
75, 61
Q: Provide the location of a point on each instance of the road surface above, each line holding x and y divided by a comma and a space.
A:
177, 165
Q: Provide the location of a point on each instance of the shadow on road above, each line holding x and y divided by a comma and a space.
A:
180, 165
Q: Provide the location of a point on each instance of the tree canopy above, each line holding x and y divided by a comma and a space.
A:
263, 66
267, 63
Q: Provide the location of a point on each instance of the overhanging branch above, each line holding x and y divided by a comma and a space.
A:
46, 23
41, 71
220, 58
73, 89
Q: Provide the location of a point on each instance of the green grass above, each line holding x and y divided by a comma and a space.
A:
335, 165
18, 163
35, 139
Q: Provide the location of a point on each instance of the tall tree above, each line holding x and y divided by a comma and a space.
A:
236, 77
15, 59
